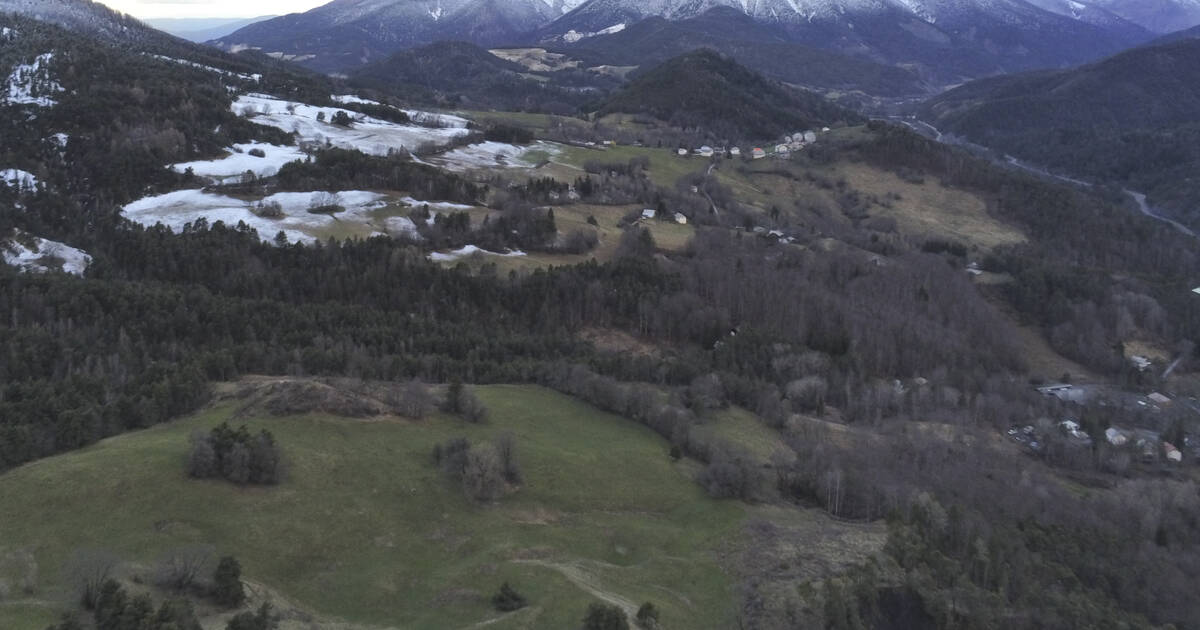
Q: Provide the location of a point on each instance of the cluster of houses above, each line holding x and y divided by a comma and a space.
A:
783, 150
1144, 443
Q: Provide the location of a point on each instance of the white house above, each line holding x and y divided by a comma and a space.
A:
758, 153
1158, 398
680, 219
1115, 436
649, 213
1171, 453
735, 152
705, 151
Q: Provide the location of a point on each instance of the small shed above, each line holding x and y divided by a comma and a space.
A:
1171, 453
680, 219
735, 151
705, 151
649, 213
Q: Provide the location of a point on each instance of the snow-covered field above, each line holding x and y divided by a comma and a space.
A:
468, 250
360, 217
369, 135
199, 66
425, 118
233, 167
492, 155
17, 178
33, 254
29, 84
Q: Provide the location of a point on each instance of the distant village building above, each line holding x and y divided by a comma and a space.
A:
735, 152
680, 219
705, 151
781, 148
973, 269
1140, 362
1171, 453
683, 152
1158, 399
649, 213
758, 153
1115, 436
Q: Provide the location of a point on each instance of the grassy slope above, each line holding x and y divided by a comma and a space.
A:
367, 530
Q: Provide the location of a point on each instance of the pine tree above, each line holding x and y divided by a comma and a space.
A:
227, 583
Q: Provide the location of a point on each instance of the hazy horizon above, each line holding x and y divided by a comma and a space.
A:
211, 9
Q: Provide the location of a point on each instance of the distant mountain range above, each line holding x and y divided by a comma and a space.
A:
349, 33
944, 41
203, 29
1159, 16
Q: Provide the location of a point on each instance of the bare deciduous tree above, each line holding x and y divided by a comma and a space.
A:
179, 567
88, 570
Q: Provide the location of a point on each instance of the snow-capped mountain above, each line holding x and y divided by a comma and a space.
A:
1160, 16
347, 33
946, 40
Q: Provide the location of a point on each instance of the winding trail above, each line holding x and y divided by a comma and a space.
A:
581, 578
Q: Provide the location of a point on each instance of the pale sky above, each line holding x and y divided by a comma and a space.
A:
210, 8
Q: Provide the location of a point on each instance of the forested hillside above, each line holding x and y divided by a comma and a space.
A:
704, 90
763, 48
1130, 119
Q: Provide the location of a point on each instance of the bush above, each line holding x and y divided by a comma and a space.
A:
507, 599
483, 474
342, 119
258, 153
647, 616
605, 617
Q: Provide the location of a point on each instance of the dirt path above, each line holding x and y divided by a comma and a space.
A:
581, 578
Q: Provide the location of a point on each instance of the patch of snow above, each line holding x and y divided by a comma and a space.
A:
468, 250
16, 178
429, 119
491, 155
436, 14
28, 84
33, 254
234, 167
60, 139
177, 209
7, 34
256, 78
573, 35
369, 135
435, 205
350, 98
